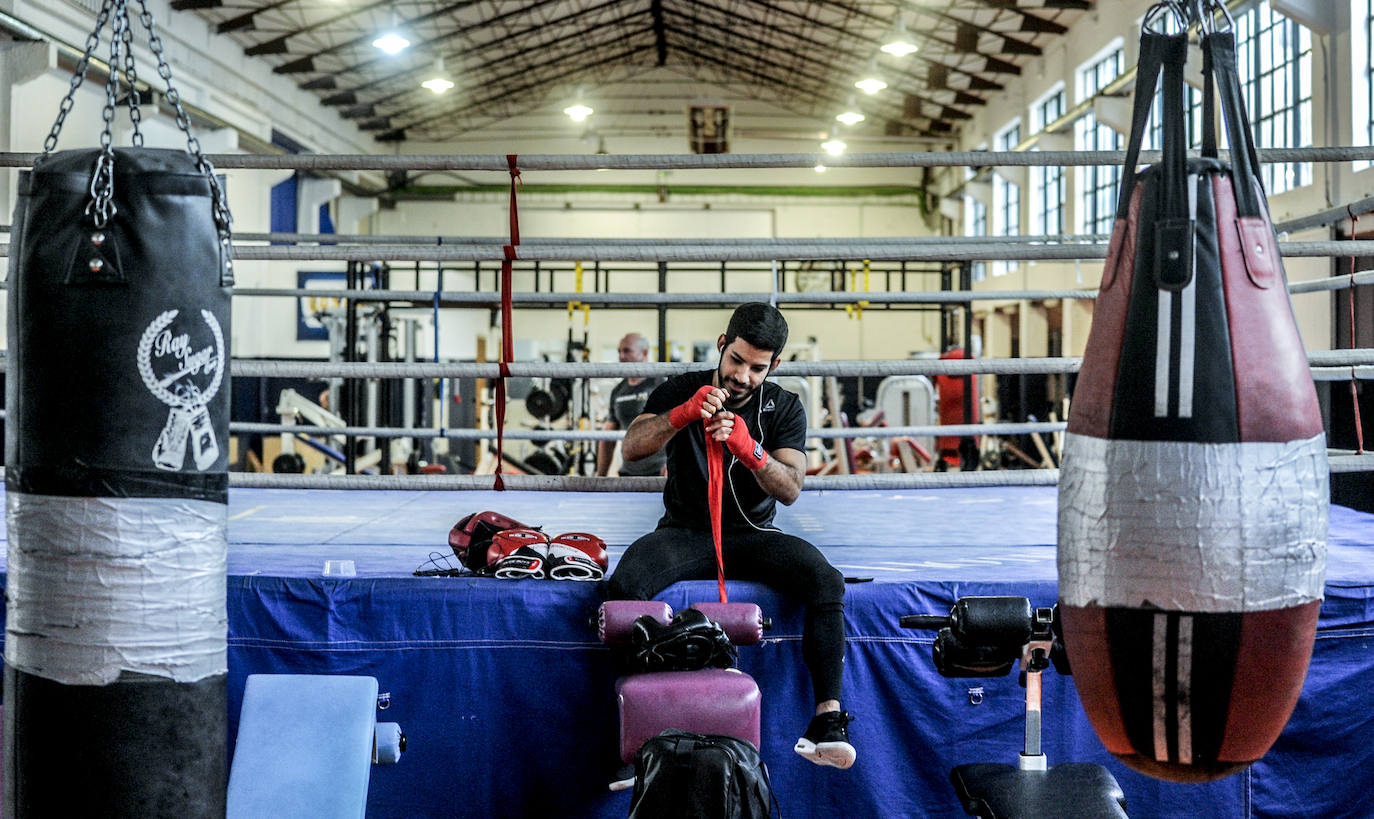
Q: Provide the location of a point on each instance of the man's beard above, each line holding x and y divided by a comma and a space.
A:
731, 399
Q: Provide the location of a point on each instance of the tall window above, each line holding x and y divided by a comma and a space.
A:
1274, 56
1361, 76
976, 224
1006, 196
1369, 72
1154, 133
1047, 184
975, 221
1098, 184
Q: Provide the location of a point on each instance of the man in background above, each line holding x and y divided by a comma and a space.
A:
626, 404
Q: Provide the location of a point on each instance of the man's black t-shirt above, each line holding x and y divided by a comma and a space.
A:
776, 419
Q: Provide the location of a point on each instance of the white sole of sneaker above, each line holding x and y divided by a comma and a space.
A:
622, 785
835, 754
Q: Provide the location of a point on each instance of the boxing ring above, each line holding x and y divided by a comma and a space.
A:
507, 696
506, 693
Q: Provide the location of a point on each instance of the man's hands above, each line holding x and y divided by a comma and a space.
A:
705, 403
722, 427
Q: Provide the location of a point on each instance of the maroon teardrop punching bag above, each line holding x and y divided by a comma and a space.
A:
116, 481
1194, 488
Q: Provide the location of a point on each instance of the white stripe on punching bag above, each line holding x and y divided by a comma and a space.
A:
1184, 695
1163, 337
1187, 349
1187, 331
1183, 716
1160, 681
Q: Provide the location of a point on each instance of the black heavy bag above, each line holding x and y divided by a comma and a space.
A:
1193, 493
116, 481
700, 776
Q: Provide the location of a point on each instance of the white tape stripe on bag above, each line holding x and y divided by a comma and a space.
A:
100, 586
1192, 527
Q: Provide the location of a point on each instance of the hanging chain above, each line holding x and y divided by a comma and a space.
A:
131, 78
82, 66
221, 207
101, 207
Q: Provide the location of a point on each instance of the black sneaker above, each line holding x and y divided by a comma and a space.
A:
826, 741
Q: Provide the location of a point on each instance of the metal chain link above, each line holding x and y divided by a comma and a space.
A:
131, 78
223, 219
82, 66
101, 208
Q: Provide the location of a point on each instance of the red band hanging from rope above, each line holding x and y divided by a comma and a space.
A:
507, 324
1350, 299
715, 457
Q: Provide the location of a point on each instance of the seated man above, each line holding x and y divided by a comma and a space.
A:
763, 428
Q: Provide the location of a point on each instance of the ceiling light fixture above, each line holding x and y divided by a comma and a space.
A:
391, 40
871, 83
579, 110
899, 44
392, 43
440, 81
834, 147
851, 115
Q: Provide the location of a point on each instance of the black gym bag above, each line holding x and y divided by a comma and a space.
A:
700, 776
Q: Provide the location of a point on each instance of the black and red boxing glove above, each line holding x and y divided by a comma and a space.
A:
577, 556
743, 446
518, 553
690, 410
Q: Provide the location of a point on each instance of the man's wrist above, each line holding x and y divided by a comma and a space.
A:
746, 450
682, 415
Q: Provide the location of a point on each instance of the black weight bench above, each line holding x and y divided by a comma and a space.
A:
987, 637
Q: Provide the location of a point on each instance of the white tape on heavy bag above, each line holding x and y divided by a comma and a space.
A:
1183, 526
100, 586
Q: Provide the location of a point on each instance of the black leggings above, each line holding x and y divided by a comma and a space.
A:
780, 561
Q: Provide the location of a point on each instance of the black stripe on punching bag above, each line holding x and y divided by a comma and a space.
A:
1212, 418
1173, 673
116, 486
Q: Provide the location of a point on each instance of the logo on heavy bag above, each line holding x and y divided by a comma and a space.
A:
185, 378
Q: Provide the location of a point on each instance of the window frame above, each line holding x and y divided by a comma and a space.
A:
1006, 195
1047, 183
1273, 89
1097, 185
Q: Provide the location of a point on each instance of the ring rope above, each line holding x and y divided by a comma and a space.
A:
662, 162
407, 239
466, 298
608, 369
710, 252
576, 483
255, 428
1342, 373
1360, 359
1327, 217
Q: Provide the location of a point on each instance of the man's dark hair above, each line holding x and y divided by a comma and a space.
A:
760, 324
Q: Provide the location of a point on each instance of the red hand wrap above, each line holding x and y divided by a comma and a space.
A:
690, 410
743, 446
